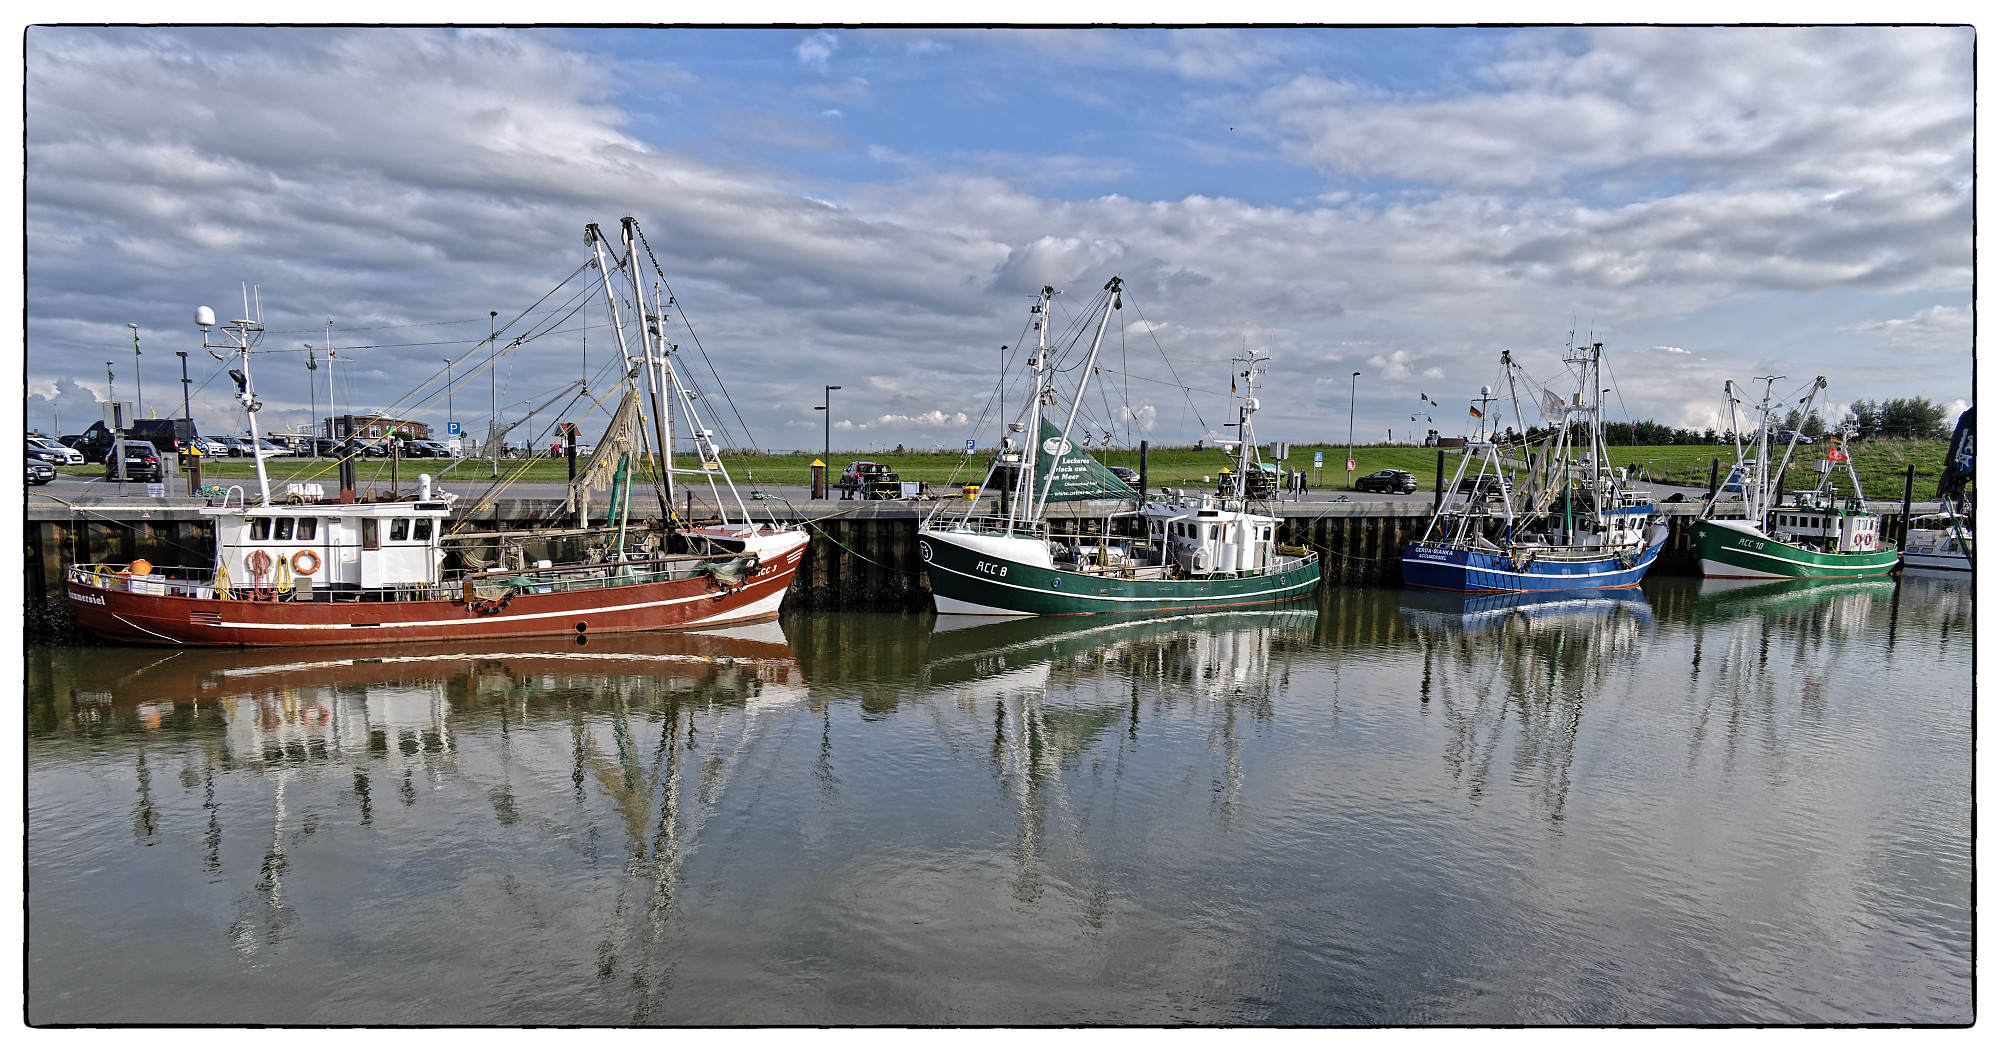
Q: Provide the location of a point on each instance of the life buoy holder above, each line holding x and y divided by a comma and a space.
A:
305, 562
259, 562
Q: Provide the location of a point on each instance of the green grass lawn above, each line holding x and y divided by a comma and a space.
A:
1880, 462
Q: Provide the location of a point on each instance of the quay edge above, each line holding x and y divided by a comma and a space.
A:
863, 554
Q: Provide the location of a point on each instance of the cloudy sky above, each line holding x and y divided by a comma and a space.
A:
875, 208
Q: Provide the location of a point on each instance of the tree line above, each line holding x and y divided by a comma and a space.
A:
1889, 418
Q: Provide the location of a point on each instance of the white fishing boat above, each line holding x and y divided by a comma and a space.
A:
1941, 542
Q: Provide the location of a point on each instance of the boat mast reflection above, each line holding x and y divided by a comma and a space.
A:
1537, 658
1226, 666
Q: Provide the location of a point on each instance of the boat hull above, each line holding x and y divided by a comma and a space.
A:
1728, 548
1943, 562
1458, 568
181, 620
967, 580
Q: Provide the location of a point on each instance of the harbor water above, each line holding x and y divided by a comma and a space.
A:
1682, 804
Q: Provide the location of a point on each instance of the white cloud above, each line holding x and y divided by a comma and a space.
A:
817, 50
1933, 330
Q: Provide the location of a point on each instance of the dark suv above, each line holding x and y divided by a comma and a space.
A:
141, 463
95, 442
1387, 480
1483, 485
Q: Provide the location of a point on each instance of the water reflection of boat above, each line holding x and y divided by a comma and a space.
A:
1231, 644
303, 686
1522, 668
1751, 594
1470, 611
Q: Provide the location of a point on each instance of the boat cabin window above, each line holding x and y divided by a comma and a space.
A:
399, 529
283, 530
371, 534
260, 529
1214, 531
308, 529
422, 530
1266, 534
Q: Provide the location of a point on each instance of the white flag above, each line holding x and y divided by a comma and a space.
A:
1553, 407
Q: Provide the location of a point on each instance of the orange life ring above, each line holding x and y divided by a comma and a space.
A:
300, 566
259, 562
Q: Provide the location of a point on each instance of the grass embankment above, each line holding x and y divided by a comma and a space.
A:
1880, 463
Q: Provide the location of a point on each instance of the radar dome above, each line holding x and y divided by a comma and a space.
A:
204, 317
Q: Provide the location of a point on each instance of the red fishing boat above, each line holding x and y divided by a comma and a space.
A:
309, 570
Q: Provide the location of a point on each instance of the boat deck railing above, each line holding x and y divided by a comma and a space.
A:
203, 582
995, 525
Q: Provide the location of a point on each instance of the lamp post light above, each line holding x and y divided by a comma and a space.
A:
1351, 384
529, 402
827, 451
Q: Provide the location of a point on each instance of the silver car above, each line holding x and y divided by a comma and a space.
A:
54, 452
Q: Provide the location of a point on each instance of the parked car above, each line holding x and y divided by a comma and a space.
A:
48, 449
213, 445
1387, 480
40, 472
141, 463
1125, 475
1483, 485
859, 472
74, 442
424, 447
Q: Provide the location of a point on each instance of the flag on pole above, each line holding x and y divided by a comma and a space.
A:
1476, 414
312, 362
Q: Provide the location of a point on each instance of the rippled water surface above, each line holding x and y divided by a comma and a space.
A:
1692, 805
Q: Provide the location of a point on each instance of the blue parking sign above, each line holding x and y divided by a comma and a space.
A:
968, 445
452, 428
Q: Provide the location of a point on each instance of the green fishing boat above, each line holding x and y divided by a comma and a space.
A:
1750, 528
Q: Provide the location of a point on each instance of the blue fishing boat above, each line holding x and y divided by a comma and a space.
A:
1547, 518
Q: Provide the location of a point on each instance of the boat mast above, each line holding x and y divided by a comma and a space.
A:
243, 334
706, 452
1245, 430
1114, 302
650, 333
1805, 404
1736, 441
1024, 480
1755, 510
595, 238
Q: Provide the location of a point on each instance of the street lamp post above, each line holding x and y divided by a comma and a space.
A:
494, 354
184, 385
1351, 384
459, 440
139, 400
529, 402
827, 451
